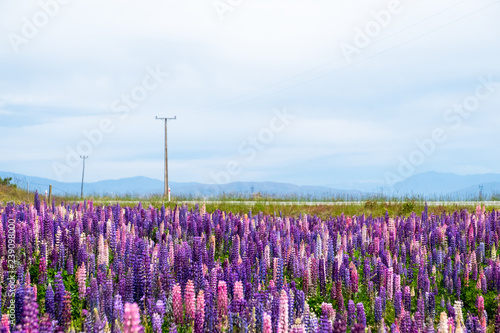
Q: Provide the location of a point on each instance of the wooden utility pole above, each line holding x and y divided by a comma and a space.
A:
50, 195
83, 173
166, 119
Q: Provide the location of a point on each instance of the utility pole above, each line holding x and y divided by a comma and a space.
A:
83, 173
166, 119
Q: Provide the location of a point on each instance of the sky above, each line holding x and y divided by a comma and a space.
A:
335, 93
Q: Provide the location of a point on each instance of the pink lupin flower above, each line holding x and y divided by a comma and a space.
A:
298, 327
480, 305
451, 324
190, 300
267, 323
131, 319
283, 314
238, 290
329, 310
177, 303
222, 304
397, 282
478, 284
171, 255
200, 304
81, 276
354, 278
390, 283
6, 323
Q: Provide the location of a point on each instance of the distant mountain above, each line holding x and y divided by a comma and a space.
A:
143, 186
447, 184
489, 190
429, 185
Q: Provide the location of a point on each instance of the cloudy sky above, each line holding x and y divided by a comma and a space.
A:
323, 92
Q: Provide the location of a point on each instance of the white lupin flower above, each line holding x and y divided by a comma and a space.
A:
443, 323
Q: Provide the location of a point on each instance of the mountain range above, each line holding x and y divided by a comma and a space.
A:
429, 185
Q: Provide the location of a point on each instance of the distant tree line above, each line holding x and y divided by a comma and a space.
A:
6, 182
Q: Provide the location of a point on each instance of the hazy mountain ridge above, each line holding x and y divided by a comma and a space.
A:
448, 184
143, 186
431, 185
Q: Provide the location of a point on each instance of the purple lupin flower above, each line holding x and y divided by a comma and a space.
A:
49, 302
497, 320
339, 326
431, 304
397, 303
383, 297
69, 265
160, 307
351, 313
325, 326
66, 311
29, 319
378, 309
406, 323
407, 299
358, 328
173, 328
360, 309
60, 291
19, 302
117, 309
157, 322
45, 323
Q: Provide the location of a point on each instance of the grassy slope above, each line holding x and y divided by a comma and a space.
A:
10, 193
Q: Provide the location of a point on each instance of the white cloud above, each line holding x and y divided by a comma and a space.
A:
227, 76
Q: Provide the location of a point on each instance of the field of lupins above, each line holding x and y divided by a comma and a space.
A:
89, 268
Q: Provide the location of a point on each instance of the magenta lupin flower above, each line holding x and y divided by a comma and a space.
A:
480, 305
5, 323
200, 303
132, 319
283, 313
238, 290
66, 311
267, 327
42, 269
177, 304
222, 304
199, 316
353, 278
81, 276
190, 300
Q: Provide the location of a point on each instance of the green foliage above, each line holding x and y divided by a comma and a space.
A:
315, 303
6, 182
469, 297
407, 207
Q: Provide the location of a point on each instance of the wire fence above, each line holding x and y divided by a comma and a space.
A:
31, 186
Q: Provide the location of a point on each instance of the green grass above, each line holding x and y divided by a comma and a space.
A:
239, 203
